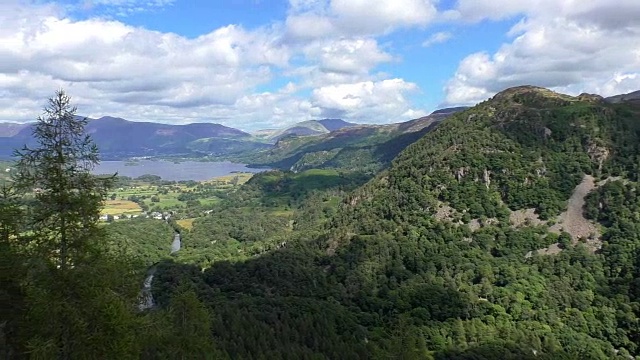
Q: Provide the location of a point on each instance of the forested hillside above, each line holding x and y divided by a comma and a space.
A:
508, 231
459, 250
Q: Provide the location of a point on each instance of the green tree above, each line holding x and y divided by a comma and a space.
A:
78, 298
182, 331
68, 197
11, 214
11, 272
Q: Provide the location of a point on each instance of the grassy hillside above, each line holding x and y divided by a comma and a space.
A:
225, 147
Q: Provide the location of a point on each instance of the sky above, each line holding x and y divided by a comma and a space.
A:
256, 64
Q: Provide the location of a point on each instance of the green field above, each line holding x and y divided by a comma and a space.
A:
138, 196
186, 223
118, 207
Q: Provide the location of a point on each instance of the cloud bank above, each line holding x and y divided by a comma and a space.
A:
570, 46
323, 59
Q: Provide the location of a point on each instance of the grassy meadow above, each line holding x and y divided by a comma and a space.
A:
139, 196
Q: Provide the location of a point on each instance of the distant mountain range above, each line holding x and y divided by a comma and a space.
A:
11, 129
118, 138
328, 143
305, 128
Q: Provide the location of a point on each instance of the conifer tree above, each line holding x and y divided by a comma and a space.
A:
11, 271
79, 300
68, 198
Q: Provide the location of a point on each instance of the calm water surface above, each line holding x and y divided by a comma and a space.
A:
186, 170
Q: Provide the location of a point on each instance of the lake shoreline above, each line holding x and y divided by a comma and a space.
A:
172, 170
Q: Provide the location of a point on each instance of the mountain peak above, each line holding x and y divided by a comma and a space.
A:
533, 96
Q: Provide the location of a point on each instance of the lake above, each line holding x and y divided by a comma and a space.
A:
168, 170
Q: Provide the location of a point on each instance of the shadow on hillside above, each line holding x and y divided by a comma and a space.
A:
388, 150
296, 186
297, 298
280, 273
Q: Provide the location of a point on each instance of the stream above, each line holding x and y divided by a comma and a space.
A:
146, 296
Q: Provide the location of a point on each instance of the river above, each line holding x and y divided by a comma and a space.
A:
173, 171
145, 300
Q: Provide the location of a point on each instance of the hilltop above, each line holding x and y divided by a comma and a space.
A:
525, 149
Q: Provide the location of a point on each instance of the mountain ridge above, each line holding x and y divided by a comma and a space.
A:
118, 138
362, 147
303, 128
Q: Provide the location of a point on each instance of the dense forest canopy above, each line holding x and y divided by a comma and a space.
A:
509, 231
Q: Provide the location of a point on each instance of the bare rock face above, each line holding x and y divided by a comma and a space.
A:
525, 217
461, 173
486, 177
598, 154
573, 221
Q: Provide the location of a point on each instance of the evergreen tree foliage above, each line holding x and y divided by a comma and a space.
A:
76, 300
68, 198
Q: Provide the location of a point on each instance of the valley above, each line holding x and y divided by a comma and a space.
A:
320, 180
505, 230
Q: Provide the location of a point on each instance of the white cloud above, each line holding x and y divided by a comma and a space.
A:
365, 101
437, 38
364, 16
309, 26
604, 12
318, 18
111, 68
350, 56
565, 45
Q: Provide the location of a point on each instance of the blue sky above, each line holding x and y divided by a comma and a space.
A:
256, 64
